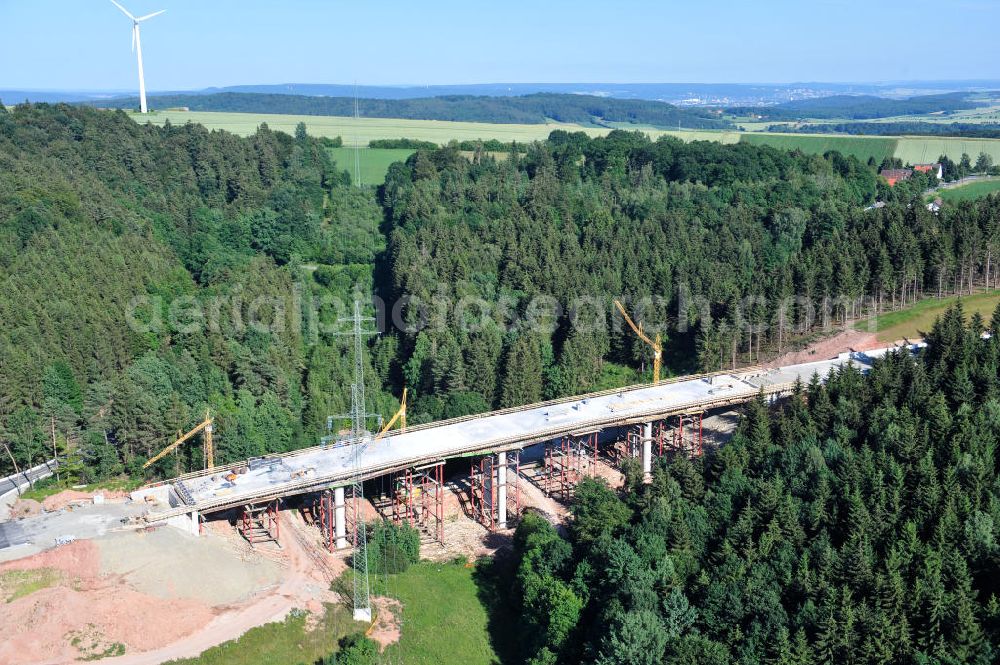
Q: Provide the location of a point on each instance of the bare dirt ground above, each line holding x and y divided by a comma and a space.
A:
385, 630
831, 347
69, 497
303, 585
159, 594
85, 614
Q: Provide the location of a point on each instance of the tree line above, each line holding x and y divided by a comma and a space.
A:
537, 108
856, 523
729, 250
97, 211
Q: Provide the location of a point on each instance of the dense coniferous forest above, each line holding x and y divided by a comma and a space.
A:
526, 109
133, 257
727, 248
96, 210
854, 524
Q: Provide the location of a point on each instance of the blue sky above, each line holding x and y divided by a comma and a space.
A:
84, 44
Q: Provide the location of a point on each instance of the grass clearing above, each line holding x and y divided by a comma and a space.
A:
16, 584
444, 621
284, 643
862, 147
973, 190
48, 486
911, 322
374, 162
927, 149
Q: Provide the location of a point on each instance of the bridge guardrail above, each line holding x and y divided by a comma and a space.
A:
496, 444
14, 482
451, 421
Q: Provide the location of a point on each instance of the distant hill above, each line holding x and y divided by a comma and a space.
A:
860, 107
526, 109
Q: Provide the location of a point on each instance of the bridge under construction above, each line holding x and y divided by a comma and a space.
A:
653, 416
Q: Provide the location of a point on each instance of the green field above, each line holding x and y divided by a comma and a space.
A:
444, 621
359, 131
912, 322
374, 162
973, 190
861, 147
926, 149
282, 643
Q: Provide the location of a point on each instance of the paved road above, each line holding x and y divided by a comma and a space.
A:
10, 484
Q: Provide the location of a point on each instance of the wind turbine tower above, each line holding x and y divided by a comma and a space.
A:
137, 47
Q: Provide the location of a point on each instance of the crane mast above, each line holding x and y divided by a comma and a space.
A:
655, 344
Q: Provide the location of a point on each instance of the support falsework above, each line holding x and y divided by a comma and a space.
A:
258, 523
418, 500
567, 461
495, 490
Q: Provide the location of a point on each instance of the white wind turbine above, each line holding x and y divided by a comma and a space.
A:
137, 47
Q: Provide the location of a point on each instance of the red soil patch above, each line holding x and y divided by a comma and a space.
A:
385, 630
831, 347
67, 497
41, 626
79, 559
25, 508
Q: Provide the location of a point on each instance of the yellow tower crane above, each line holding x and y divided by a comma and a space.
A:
655, 344
400, 416
205, 425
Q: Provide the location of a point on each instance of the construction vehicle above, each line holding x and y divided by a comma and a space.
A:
400, 416
206, 426
655, 344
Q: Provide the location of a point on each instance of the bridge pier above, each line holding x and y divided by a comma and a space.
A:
339, 518
647, 452
493, 494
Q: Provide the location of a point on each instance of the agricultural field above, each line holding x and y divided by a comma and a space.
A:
973, 190
374, 163
911, 322
359, 131
923, 149
862, 147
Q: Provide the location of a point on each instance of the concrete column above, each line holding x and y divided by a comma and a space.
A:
647, 452
502, 490
340, 518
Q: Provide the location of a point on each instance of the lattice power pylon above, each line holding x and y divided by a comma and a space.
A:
360, 439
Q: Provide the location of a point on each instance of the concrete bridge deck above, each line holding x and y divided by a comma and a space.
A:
331, 466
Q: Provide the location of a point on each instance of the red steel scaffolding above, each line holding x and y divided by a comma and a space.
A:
568, 461
688, 435
484, 489
258, 523
418, 499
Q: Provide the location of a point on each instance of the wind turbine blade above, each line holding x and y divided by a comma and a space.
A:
124, 11
143, 18
133, 38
